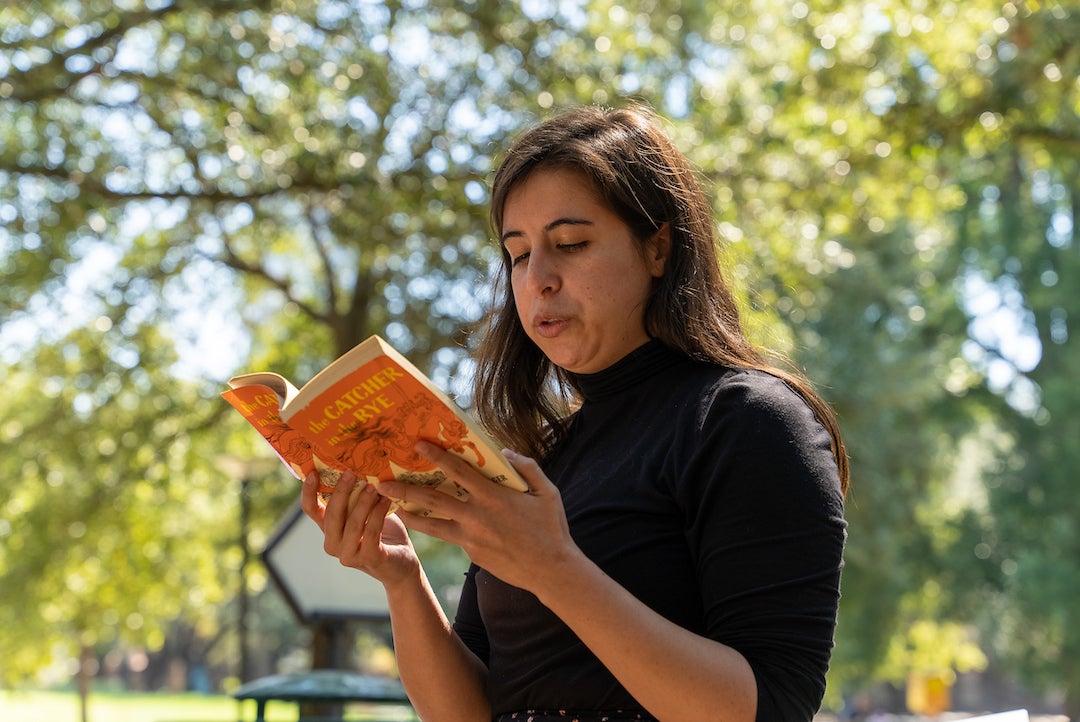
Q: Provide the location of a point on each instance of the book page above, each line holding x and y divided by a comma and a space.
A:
259, 404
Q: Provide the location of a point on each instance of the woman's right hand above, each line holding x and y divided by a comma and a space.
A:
359, 530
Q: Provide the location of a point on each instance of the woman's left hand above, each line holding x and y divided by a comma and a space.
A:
521, 538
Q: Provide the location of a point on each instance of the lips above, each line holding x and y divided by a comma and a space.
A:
549, 326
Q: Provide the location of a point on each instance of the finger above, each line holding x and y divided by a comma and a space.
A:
455, 467
362, 500
356, 495
529, 470
309, 498
367, 530
448, 530
438, 502
377, 518
336, 512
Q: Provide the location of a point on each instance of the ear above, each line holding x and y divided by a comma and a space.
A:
657, 250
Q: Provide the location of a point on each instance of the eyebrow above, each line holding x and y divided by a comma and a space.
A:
549, 227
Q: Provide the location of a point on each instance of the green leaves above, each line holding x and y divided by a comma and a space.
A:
186, 189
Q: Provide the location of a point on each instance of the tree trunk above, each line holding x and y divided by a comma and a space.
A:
331, 641
83, 679
1070, 677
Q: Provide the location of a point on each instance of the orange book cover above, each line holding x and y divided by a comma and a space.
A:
365, 412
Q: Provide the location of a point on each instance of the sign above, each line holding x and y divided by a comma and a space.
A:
315, 584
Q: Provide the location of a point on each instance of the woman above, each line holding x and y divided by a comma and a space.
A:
678, 555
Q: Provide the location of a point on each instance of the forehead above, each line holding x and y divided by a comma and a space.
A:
550, 190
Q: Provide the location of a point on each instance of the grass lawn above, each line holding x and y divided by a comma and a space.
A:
42, 706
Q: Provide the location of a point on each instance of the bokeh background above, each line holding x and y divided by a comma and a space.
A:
192, 189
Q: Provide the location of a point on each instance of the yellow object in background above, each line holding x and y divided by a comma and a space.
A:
928, 695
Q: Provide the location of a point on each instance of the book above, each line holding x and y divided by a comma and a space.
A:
365, 412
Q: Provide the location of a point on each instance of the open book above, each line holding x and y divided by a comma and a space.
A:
365, 412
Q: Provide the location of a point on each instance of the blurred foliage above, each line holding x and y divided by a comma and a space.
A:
190, 188
931, 648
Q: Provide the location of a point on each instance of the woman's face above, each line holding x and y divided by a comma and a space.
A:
579, 277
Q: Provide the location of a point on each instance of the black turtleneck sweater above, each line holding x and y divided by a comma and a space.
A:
709, 493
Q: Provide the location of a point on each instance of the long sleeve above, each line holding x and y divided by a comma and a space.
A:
765, 523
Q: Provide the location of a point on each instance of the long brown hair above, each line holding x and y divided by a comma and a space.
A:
524, 399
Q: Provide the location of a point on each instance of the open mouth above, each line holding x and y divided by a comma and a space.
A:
548, 327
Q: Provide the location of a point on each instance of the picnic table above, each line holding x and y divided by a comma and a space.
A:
321, 685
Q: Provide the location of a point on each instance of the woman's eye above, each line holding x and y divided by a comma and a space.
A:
514, 260
571, 247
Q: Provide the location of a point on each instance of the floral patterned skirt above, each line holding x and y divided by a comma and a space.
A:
563, 715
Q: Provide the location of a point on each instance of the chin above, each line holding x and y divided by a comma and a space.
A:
577, 367
566, 364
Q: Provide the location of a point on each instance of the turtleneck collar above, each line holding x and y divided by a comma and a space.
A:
627, 372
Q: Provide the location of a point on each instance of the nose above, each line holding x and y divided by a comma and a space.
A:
541, 273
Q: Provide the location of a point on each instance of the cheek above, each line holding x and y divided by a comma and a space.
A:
520, 300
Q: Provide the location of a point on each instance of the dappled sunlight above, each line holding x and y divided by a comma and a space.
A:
185, 191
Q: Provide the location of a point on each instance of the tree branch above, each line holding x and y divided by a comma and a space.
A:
324, 259
1047, 135
51, 77
212, 194
357, 315
235, 262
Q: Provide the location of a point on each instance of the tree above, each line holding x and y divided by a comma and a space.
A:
167, 162
836, 213
266, 182
854, 146
100, 505
186, 188
1023, 181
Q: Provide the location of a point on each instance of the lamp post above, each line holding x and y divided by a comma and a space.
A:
242, 600
244, 470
